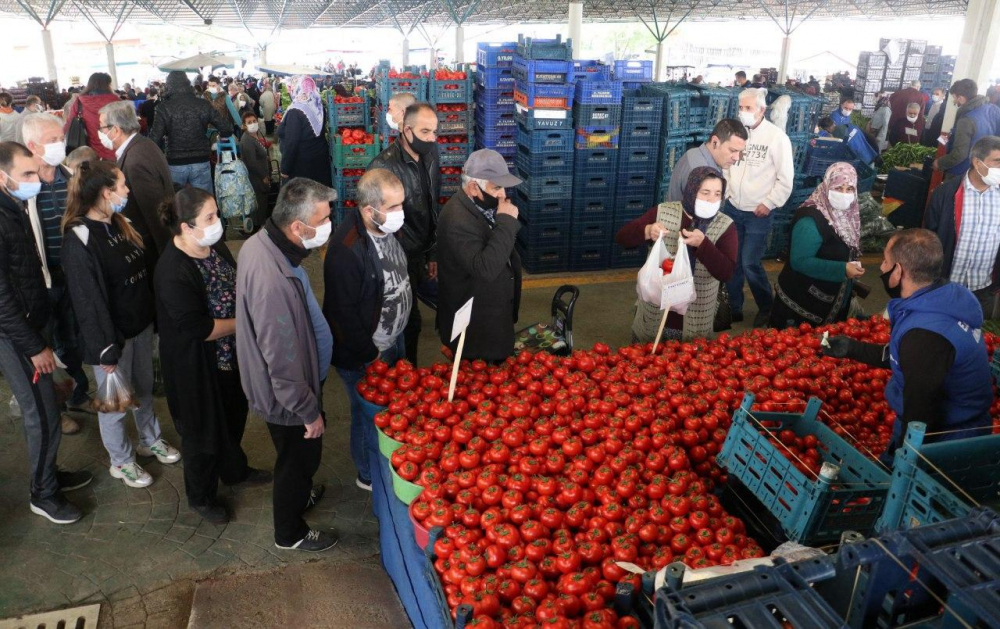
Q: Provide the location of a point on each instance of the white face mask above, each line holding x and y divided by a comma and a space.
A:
392, 123
840, 200
210, 234
55, 153
937, 99
252, 128
748, 119
992, 176
393, 221
847, 112
706, 209
105, 140
322, 235
911, 118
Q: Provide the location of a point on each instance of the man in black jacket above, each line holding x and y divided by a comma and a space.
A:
965, 214
180, 127
476, 259
368, 298
413, 158
26, 359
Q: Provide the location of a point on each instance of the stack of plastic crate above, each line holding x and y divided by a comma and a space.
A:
597, 113
450, 93
675, 129
543, 96
348, 126
638, 146
633, 73
495, 127
391, 82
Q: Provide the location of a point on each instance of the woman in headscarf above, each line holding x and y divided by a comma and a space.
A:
304, 149
710, 237
815, 285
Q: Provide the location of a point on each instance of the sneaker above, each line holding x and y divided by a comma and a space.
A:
314, 495
313, 542
68, 481
132, 475
216, 514
69, 426
760, 321
363, 484
163, 451
256, 478
56, 509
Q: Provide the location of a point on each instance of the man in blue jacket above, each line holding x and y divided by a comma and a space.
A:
936, 351
977, 117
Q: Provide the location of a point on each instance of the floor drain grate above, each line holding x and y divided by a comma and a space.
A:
84, 617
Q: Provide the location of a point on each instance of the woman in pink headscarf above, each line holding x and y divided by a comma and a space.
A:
816, 284
304, 148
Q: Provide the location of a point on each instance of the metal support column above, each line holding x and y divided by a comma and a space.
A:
977, 50
262, 55
50, 55
109, 48
786, 50
406, 51
459, 44
576, 27
658, 66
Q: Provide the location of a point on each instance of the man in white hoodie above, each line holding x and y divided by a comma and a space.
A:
757, 184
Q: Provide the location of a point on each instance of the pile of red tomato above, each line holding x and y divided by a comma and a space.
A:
451, 170
355, 136
347, 99
353, 172
452, 107
444, 74
453, 139
545, 471
395, 74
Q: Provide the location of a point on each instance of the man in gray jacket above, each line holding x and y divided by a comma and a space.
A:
285, 346
722, 150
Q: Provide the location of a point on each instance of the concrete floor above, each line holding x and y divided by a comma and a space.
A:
147, 557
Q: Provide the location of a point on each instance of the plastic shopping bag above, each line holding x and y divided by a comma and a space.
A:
650, 284
114, 395
677, 290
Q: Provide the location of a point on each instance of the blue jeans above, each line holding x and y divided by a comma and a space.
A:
198, 175
751, 232
351, 377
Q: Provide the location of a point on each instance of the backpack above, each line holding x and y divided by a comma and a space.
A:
233, 191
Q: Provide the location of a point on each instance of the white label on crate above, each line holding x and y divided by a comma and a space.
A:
550, 114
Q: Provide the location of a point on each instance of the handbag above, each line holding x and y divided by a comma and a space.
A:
76, 135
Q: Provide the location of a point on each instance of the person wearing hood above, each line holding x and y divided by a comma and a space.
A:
88, 105
816, 283
711, 240
367, 298
181, 126
304, 149
936, 350
977, 117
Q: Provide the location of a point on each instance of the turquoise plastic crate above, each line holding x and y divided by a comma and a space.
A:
810, 511
967, 474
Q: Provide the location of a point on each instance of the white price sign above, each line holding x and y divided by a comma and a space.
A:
673, 293
461, 321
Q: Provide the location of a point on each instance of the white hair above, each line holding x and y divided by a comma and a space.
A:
758, 94
34, 125
121, 114
915, 85
482, 183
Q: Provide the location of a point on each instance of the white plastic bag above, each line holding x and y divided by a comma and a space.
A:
678, 286
650, 284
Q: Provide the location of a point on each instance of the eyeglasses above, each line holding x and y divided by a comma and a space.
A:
105, 127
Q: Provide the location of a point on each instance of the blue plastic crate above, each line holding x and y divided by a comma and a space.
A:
501, 98
504, 119
934, 482
713, 104
697, 119
450, 182
542, 210
455, 122
631, 207
543, 235
640, 161
639, 136
543, 95
543, 119
621, 258
676, 103
546, 140
634, 71
671, 151
595, 161
544, 260
804, 113
495, 78
542, 70
544, 164
534, 48
347, 114
497, 137
866, 177
598, 93
596, 115
825, 153
593, 210
537, 187
940, 575
635, 184
495, 54
346, 186
800, 150
592, 256
594, 187
779, 241
811, 511
450, 90
590, 70
641, 111
454, 154
596, 137
387, 88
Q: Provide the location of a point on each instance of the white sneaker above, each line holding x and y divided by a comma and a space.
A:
132, 475
163, 451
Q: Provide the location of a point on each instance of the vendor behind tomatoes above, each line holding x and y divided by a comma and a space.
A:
940, 367
710, 237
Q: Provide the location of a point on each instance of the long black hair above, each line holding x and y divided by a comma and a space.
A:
184, 207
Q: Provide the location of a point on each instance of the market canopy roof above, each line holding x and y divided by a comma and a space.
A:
297, 14
197, 62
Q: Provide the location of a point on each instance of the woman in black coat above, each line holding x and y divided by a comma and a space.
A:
195, 288
304, 149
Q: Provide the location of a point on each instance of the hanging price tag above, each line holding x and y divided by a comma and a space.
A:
674, 293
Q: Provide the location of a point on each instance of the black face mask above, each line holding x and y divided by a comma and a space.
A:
422, 148
894, 292
489, 202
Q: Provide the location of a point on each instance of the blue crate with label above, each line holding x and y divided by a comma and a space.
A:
544, 95
542, 210
596, 137
450, 90
346, 185
622, 258
697, 117
387, 88
641, 111
495, 78
594, 187
676, 103
800, 150
713, 104
595, 161
543, 119
593, 210
454, 121
454, 153
544, 259
537, 187
639, 136
495, 54
542, 70
596, 115
589, 256
672, 149
590, 70
354, 114
543, 164
546, 140
498, 99
535, 48
450, 180
504, 119
629, 207
634, 71
633, 160
542, 235
498, 138
635, 184
848, 494
598, 93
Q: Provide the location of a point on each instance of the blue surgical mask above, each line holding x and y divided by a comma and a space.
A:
118, 207
25, 189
